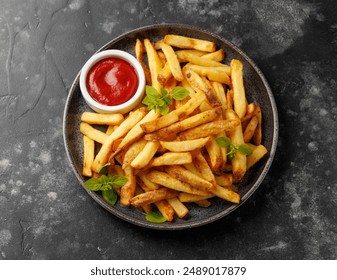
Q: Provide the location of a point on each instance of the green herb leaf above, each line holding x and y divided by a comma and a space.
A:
155, 100
105, 182
147, 101
151, 92
179, 93
118, 181
155, 217
244, 149
164, 109
110, 196
223, 141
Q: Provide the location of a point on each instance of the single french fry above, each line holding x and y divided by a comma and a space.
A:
227, 194
104, 153
161, 122
218, 55
171, 158
153, 196
182, 57
155, 64
94, 134
133, 152
239, 161
172, 61
179, 208
187, 197
184, 175
97, 118
258, 132
198, 84
88, 155
144, 157
170, 182
201, 60
214, 155
250, 129
184, 42
139, 51
204, 130
128, 189
165, 209
257, 154
217, 74
184, 146
239, 95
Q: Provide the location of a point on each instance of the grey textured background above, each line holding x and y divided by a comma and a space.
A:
45, 213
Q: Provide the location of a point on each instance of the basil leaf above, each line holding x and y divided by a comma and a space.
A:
110, 196
104, 182
163, 92
93, 184
151, 92
117, 181
164, 109
168, 100
223, 141
146, 101
244, 149
155, 217
179, 93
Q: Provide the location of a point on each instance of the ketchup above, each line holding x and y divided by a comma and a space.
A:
112, 81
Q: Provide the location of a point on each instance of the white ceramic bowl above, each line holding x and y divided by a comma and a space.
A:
124, 107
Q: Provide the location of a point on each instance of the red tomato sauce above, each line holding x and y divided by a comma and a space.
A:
112, 81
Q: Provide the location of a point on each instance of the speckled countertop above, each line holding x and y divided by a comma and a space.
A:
45, 213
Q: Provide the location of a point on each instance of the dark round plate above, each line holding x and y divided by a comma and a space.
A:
257, 90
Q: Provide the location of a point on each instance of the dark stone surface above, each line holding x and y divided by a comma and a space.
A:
45, 213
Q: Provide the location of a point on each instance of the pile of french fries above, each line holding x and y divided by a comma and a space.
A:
173, 160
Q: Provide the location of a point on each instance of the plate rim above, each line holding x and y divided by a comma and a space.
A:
231, 208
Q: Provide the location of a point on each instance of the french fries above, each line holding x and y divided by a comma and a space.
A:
103, 155
189, 43
239, 96
88, 155
153, 196
92, 133
176, 159
184, 146
105, 119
